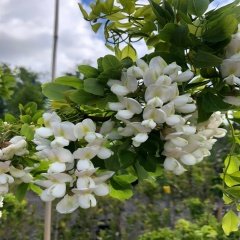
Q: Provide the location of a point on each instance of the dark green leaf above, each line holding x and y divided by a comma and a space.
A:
71, 81
92, 85
197, 7
202, 59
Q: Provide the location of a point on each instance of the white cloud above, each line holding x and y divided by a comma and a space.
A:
26, 35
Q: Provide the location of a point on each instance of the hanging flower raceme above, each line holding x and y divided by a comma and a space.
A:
9, 171
71, 175
160, 102
230, 69
160, 107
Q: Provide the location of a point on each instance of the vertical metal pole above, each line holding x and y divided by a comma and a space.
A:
48, 206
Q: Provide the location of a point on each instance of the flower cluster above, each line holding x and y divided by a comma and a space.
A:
70, 149
230, 68
158, 83
163, 108
188, 145
16, 146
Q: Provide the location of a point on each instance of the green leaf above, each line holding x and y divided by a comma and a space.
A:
213, 103
112, 163
36, 189
71, 81
82, 97
129, 51
21, 191
161, 14
141, 172
197, 7
220, 29
230, 222
128, 6
26, 118
202, 59
88, 71
120, 188
55, 91
9, 118
110, 62
233, 191
27, 131
92, 85
126, 158
84, 13
95, 27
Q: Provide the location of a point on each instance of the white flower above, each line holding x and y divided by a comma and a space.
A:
171, 164
55, 186
232, 80
42, 143
22, 174
68, 204
230, 67
65, 130
127, 84
234, 46
153, 116
232, 100
50, 118
82, 129
131, 107
164, 92
172, 70
185, 76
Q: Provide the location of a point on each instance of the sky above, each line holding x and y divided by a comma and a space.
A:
26, 29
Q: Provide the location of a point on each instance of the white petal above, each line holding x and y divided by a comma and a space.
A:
140, 137
230, 66
111, 82
46, 197
85, 182
182, 100
59, 142
86, 201
17, 173
115, 106
149, 123
170, 163
103, 177
155, 102
142, 65
124, 114
107, 127
84, 165
180, 142
188, 159
57, 167
50, 118
119, 90
58, 190
104, 153
101, 189
185, 76
86, 153
175, 120
187, 108
68, 204
132, 105
232, 100
44, 132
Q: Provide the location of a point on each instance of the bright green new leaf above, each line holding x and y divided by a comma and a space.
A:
27, 131
120, 188
129, 51
95, 27
92, 85
84, 13
36, 189
230, 222
21, 191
